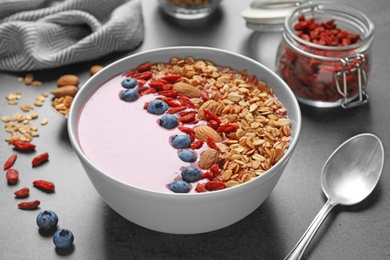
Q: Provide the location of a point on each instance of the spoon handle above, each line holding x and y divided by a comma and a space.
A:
297, 252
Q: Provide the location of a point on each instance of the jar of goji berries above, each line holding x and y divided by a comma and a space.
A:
325, 54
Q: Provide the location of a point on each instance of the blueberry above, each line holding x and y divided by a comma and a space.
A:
47, 220
157, 107
181, 142
179, 186
129, 83
187, 156
169, 121
191, 174
63, 238
129, 95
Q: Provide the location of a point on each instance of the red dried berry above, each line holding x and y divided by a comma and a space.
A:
10, 161
211, 143
44, 185
196, 145
144, 67
23, 146
29, 204
172, 77
12, 176
22, 193
38, 160
200, 188
215, 185
227, 128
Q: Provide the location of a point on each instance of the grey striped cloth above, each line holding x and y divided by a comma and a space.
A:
40, 34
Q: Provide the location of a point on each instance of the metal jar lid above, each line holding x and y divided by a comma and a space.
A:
269, 15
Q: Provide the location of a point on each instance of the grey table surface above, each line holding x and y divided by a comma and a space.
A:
270, 232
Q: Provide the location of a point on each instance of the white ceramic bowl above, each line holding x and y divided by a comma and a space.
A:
195, 212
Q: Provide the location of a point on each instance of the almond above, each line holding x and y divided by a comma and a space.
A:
65, 91
95, 69
203, 131
208, 158
67, 80
211, 105
185, 89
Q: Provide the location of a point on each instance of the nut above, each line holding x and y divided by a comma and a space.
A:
95, 69
208, 158
67, 80
65, 91
204, 131
211, 105
185, 89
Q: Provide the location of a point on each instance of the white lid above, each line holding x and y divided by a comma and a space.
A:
269, 15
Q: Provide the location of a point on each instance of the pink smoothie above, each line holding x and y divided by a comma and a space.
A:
126, 142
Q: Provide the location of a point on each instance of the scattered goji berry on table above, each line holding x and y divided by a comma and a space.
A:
44, 185
29, 204
22, 193
12, 176
10, 161
23, 146
39, 159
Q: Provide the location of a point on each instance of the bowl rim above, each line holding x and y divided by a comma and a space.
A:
73, 114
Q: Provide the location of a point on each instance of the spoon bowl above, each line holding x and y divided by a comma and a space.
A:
349, 175
353, 169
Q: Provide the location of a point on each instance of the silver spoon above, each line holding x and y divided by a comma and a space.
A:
349, 175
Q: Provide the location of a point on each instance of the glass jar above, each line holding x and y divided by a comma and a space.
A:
329, 66
189, 9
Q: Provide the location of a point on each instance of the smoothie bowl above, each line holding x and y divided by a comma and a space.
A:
184, 140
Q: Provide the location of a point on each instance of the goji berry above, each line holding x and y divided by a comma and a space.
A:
186, 130
214, 168
215, 185
144, 67
29, 204
143, 75
197, 144
208, 175
188, 118
200, 188
211, 116
213, 124
12, 176
23, 146
10, 161
44, 185
156, 83
174, 110
169, 93
174, 103
185, 101
227, 128
211, 143
22, 193
204, 95
39, 159
147, 91
172, 77
167, 86
130, 73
